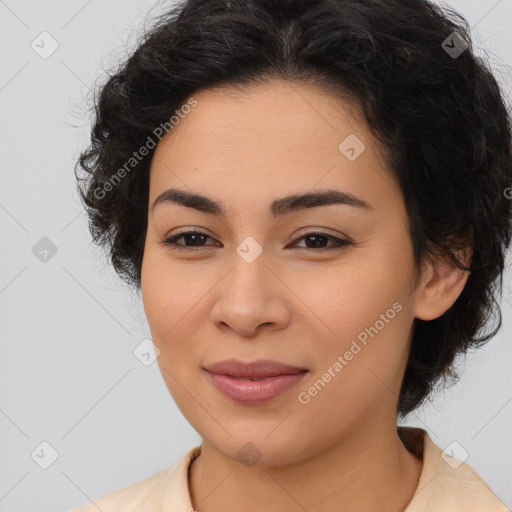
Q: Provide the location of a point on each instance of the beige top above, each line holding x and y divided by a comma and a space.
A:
442, 487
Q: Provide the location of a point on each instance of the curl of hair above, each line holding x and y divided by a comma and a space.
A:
442, 121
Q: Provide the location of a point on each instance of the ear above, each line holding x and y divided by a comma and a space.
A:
442, 283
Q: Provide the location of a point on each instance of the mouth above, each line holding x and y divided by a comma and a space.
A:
255, 382
249, 378
253, 370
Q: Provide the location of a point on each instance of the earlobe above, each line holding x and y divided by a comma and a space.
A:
440, 289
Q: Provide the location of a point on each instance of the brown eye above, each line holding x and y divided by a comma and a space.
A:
318, 241
194, 237
315, 241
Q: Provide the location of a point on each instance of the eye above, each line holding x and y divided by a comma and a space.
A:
196, 238
319, 240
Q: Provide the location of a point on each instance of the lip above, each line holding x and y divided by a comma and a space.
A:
253, 369
233, 379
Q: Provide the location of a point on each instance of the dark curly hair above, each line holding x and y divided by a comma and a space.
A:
408, 65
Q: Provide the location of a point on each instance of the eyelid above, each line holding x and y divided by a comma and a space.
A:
171, 240
320, 231
303, 231
340, 242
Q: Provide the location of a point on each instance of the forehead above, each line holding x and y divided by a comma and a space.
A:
275, 114
273, 137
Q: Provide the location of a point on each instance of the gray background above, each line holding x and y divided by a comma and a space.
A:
69, 326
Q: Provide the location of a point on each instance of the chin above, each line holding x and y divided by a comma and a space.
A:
262, 450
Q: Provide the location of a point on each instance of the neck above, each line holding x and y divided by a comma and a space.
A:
368, 470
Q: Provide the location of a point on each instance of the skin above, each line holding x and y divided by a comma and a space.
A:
292, 304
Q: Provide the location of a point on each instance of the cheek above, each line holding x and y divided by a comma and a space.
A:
362, 314
166, 296
358, 369
172, 299
345, 299
166, 304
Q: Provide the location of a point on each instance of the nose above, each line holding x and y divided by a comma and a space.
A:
251, 297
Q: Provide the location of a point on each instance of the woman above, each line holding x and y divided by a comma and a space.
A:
311, 199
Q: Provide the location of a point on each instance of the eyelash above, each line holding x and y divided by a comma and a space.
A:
171, 241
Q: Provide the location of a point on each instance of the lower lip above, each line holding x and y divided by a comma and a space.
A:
247, 391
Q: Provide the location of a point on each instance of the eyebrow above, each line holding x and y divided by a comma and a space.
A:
278, 207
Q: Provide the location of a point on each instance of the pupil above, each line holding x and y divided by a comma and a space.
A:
317, 238
195, 238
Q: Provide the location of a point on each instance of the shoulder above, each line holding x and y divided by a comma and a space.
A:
447, 483
131, 498
169, 486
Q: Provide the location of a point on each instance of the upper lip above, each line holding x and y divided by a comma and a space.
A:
253, 369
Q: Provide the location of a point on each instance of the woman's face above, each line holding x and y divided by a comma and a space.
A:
254, 287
